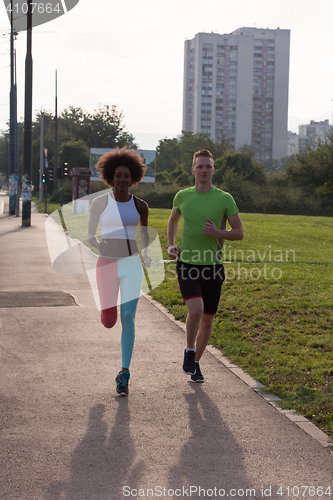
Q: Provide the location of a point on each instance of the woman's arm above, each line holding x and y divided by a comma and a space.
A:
143, 210
97, 207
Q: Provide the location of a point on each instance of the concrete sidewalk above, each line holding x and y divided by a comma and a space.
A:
65, 435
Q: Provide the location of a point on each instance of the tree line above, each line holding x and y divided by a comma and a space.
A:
301, 184
78, 131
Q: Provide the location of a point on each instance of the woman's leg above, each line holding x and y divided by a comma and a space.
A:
108, 287
127, 316
130, 279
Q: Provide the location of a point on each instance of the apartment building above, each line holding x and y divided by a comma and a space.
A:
237, 85
314, 132
309, 135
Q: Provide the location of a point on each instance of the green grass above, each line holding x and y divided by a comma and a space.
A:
51, 207
275, 317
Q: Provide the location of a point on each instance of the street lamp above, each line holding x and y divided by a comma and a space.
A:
64, 170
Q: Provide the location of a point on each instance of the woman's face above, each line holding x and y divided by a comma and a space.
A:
122, 178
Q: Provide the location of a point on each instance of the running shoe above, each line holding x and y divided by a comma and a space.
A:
122, 383
189, 362
197, 377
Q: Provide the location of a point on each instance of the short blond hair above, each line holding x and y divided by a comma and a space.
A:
202, 152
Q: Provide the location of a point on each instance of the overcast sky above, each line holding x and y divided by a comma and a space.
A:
131, 54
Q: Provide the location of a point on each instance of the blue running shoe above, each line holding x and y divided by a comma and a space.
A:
197, 377
122, 383
189, 362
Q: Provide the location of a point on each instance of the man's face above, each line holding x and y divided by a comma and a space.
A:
203, 169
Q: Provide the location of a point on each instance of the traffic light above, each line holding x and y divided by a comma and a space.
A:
63, 172
50, 175
43, 178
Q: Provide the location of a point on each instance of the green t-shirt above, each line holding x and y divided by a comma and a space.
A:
195, 207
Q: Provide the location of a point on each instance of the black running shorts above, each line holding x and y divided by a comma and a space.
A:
201, 281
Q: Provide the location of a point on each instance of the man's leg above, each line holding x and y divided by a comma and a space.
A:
204, 334
195, 309
211, 290
211, 283
190, 287
195, 312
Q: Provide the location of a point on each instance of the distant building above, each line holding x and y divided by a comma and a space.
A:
314, 132
237, 85
309, 135
292, 146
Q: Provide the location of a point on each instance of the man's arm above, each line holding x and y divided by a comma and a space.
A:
235, 233
173, 223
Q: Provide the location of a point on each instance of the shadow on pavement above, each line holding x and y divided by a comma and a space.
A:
211, 458
100, 467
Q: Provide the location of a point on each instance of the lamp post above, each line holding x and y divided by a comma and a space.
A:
13, 160
64, 166
27, 150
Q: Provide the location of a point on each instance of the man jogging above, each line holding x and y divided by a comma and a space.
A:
204, 210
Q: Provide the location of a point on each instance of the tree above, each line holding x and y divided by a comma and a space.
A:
167, 155
242, 165
4, 155
103, 129
272, 165
171, 153
75, 154
314, 168
182, 175
163, 178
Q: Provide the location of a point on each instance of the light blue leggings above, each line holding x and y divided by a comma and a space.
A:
126, 275
127, 316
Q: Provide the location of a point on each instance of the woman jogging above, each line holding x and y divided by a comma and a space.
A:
119, 266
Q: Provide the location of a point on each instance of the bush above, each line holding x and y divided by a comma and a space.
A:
67, 193
156, 195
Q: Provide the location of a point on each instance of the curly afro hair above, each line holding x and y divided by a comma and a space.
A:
124, 157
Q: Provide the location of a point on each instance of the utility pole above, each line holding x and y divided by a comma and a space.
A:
16, 143
55, 166
27, 150
12, 123
46, 174
41, 158
63, 172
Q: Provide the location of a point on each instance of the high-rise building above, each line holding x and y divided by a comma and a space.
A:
237, 85
309, 136
314, 132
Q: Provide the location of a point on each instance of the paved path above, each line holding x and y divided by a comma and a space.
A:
65, 435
